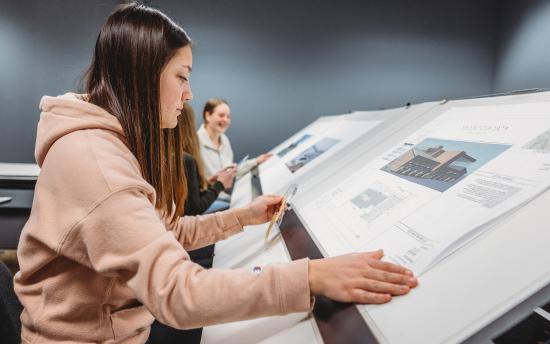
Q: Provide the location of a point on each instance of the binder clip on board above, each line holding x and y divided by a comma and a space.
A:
285, 205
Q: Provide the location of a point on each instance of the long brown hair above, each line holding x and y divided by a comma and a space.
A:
211, 105
131, 51
187, 128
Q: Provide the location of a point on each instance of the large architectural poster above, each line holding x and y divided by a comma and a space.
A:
440, 188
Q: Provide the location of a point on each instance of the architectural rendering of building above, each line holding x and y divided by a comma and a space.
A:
432, 163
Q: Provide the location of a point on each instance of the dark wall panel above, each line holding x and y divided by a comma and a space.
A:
45, 48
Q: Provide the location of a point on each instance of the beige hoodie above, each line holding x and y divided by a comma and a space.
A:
98, 262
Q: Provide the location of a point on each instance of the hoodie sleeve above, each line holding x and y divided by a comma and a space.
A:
124, 238
198, 231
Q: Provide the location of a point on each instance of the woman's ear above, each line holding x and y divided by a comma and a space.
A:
206, 116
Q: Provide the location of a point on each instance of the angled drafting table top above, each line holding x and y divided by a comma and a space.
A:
475, 285
458, 298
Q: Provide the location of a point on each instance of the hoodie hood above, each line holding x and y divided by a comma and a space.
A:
65, 114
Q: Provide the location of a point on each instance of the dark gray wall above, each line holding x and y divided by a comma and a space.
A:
45, 48
280, 64
523, 48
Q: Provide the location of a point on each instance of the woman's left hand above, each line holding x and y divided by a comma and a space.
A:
212, 179
259, 211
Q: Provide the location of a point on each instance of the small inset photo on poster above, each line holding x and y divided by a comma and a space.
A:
293, 145
311, 153
440, 164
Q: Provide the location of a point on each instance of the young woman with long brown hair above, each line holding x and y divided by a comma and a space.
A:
201, 192
104, 251
200, 195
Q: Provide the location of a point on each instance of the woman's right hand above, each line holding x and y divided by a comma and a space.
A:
359, 278
226, 177
260, 159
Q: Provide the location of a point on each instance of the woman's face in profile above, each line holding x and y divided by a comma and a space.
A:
220, 119
174, 86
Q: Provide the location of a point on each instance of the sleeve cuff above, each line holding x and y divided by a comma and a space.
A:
218, 186
295, 295
229, 221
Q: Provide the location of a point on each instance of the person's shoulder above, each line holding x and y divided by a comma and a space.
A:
117, 162
202, 135
102, 157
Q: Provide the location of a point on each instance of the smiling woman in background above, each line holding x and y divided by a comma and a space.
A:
216, 150
215, 147
201, 193
104, 251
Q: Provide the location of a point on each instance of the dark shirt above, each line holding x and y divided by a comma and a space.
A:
198, 200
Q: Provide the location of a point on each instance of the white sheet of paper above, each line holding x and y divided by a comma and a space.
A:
242, 161
296, 142
329, 139
13, 170
451, 179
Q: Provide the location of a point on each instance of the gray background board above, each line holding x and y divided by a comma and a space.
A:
523, 48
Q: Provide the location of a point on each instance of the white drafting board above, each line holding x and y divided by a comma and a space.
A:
476, 284
525, 313
18, 171
298, 137
323, 140
242, 191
